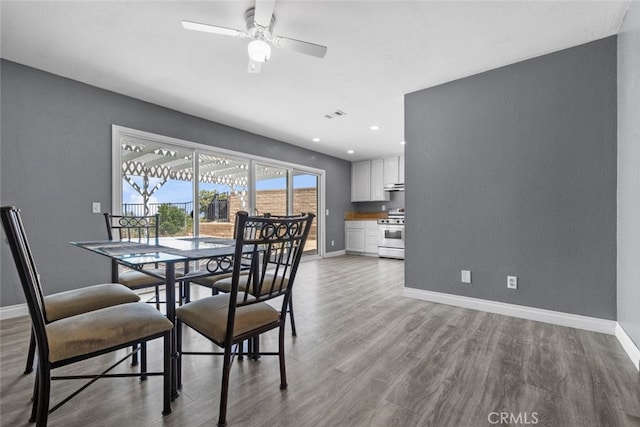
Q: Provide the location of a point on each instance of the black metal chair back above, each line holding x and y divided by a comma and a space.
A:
276, 248
235, 224
130, 228
25, 264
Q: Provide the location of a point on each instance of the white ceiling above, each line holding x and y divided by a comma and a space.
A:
377, 52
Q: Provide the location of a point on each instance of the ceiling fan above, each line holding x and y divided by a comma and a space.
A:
260, 21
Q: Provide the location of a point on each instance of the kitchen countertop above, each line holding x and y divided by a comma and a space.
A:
364, 216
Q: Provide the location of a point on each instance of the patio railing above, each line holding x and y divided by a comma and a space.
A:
137, 209
217, 210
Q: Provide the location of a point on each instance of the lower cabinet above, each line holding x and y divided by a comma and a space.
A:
355, 238
371, 237
361, 237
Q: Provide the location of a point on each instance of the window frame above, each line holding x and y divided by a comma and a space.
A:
118, 133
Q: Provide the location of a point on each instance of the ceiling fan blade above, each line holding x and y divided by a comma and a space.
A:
254, 66
189, 25
263, 12
307, 48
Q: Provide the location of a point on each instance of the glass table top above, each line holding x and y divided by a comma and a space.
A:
168, 249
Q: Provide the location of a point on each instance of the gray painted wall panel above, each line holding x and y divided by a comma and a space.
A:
629, 173
56, 160
513, 172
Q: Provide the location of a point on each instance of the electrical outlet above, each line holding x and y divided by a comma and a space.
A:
384, 208
466, 276
512, 282
95, 207
332, 243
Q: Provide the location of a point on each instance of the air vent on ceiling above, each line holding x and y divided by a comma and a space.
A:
335, 114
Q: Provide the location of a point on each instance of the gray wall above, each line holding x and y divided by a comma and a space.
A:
56, 160
513, 172
629, 173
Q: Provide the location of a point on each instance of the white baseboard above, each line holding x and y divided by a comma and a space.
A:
629, 346
538, 314
334, 253
11, 311
594, 324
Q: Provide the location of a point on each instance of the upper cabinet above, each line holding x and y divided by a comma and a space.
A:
377, 181
367, 181
361, 181
369, 177
390, 170
393, 170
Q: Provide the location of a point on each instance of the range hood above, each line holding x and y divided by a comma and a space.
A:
394, 187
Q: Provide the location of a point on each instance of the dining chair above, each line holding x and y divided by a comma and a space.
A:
143, 229
212, 280
78, 301
275, 246
83, 336
222, 282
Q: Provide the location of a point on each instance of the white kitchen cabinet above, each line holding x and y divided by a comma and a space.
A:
361, 237
361, 181
367, 181
371, 237
354, 236
377, 181
393, 170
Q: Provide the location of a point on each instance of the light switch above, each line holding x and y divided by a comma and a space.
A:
95, 207
466, 276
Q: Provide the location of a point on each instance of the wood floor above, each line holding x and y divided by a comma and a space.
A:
366, 356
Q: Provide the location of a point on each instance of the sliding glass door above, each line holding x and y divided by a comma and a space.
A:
197, 189
271, 190
223, 190
193, 193
305, 199
156, 179
288, 191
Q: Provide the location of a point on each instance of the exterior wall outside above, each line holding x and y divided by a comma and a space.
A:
513, 172
629, 174
56, 161
272, 201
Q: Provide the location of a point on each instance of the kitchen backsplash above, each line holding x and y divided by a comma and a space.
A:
396, 201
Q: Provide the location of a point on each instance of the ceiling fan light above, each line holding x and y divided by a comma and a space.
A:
259, 50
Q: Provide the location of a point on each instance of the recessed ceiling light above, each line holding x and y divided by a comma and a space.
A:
316, 139
375, 127
350, 152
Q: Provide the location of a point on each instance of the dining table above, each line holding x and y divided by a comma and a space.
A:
198, 256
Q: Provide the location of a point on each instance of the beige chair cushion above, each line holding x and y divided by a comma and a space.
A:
137, 279
209, 317
70, 303
102, 329
210, 281
225, 284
